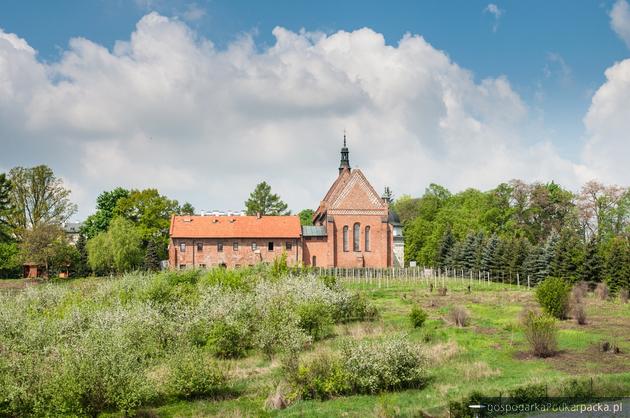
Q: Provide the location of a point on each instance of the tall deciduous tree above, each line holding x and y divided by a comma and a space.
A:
105, 205
262, 201
41, 243
117, 250
38, 198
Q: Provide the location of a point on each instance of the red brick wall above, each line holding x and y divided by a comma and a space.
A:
318, 247
211, 257
380, 242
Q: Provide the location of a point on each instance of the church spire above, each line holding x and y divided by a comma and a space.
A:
345, 156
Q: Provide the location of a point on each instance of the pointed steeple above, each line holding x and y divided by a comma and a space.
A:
345, 156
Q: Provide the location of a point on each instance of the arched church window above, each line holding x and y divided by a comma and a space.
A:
346, 246
356, 237
367, 238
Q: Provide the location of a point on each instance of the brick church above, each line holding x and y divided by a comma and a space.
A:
353, 227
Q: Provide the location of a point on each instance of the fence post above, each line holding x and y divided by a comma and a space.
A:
528, 282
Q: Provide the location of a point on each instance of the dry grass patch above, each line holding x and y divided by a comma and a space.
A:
441, 352
361, 330
459, 316
478, 370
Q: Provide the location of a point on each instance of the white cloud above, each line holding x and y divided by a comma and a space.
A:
193, 12
169, 110
608, 123
495, 11
620, 20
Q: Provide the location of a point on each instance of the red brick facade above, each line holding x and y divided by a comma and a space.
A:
353, 229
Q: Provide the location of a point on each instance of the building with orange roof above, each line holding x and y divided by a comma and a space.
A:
353, 227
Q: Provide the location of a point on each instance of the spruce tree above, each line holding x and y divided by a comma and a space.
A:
489, 253
446, 245
618, 264
593, 267
469, 252
81, 268
152, 257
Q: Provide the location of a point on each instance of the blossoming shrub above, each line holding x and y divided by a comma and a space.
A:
363, 367
84, 347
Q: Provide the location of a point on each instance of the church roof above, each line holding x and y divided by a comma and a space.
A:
314, 231
235, 227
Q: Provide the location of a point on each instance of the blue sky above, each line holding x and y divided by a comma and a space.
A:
553, 54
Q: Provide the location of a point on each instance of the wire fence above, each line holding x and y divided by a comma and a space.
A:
424, 276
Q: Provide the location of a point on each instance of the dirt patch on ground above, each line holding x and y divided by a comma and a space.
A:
589, 361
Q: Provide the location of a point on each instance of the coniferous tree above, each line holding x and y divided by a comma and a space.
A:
618, 264
567, 257
152, 257
444, 250
489, 253
469, 252
81, 268
593, 267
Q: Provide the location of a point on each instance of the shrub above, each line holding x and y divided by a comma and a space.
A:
623, 296
417, 316
321, 377
460, 316
577, 293
228, 339
442, 291
553, 296
602, 291
540, 332
579, 314
279, 331
192, 375
390, 364
315, 319
354, 307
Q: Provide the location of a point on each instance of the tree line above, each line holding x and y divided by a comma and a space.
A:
536, 230
127, 231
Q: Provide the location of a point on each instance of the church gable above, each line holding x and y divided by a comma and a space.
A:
357, 194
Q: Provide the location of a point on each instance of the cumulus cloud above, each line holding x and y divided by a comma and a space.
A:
620, 20
494, 10
608, 123
168, 109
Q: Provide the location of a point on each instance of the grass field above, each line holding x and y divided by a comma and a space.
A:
489, 355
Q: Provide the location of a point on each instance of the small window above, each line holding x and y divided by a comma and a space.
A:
314, 263
346, 240
182, 247
202, 266
182, 266
288, 245
270, 246
219, 247
237, 265
235, 246
199, 246
254, 246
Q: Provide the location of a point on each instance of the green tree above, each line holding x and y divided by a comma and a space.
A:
10, 265
5, 208
446, 245
489, 253
618, 264
81, 267
186, 209
38, 197
117, 250
306, 216
568, 256
262, 201
105, 205
41, 243
151, 213
152, 257
593, 267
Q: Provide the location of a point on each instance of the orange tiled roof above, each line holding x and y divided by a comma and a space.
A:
235, 227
